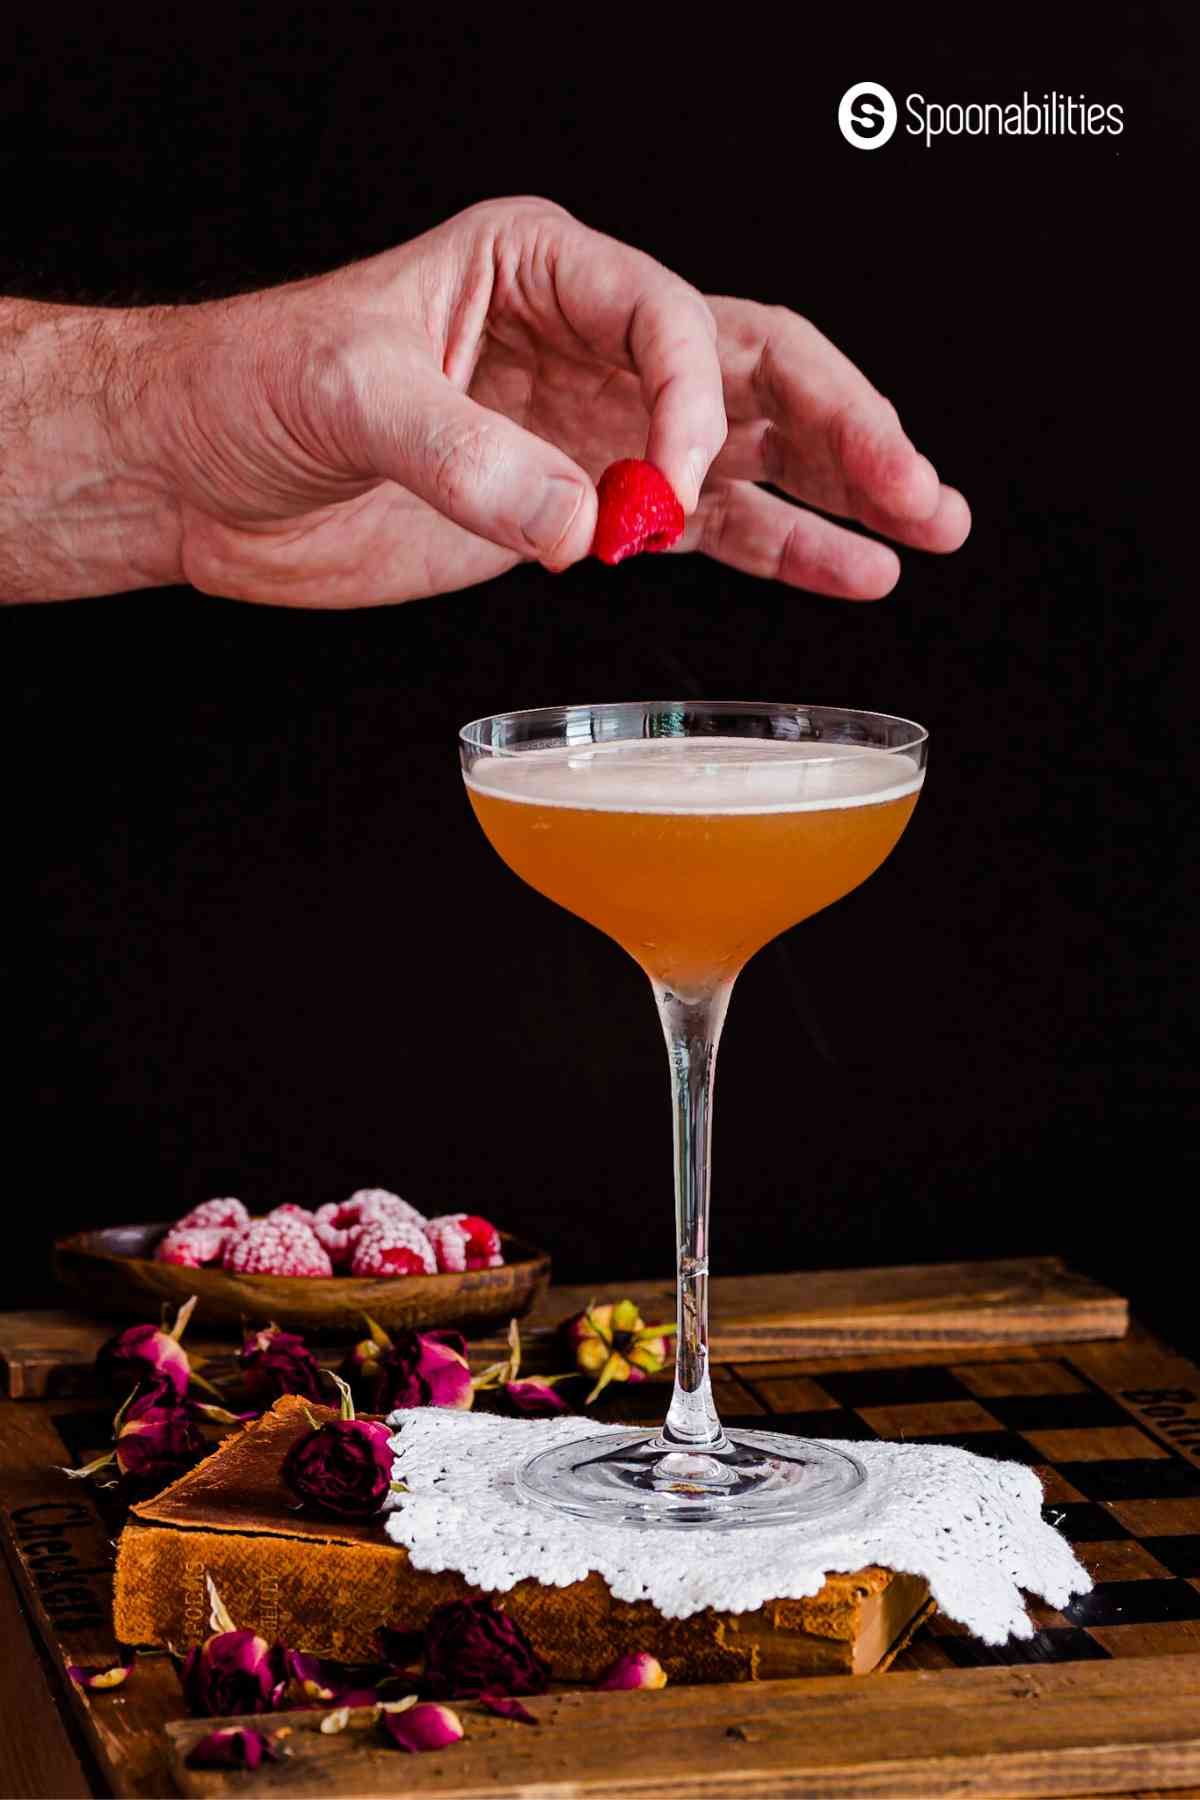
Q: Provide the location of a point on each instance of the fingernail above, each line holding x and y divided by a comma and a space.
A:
551, 519
698, 464
928, 476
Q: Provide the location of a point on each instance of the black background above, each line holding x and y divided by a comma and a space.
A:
257, 944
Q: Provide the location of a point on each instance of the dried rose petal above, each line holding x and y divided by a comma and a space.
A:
100, 1677
637, 1670
233, 1747
426, 1726
507, 1708
532, 1398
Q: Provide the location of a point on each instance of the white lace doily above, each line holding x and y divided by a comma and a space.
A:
970, 1525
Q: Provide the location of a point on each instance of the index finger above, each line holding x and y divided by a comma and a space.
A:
631, 308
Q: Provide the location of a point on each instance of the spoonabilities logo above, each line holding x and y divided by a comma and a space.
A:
867, 115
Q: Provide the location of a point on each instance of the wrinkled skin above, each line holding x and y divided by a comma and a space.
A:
390, 430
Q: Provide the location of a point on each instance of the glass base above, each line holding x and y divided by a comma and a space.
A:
753, 1478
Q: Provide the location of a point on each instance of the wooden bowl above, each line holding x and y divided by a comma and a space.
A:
113, 1272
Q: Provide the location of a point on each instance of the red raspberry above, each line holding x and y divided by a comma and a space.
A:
338, 1224
393, 1247
638, 511
378, 1203
276, 1247
337, 1241
449, 1242
289, 1210
230, 1213
481, 1246
192, 1248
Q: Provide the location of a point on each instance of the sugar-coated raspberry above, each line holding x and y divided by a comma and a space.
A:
289, 1210
482, 1239
194, 1247
336, 1240
230, 1213
378, 1203
638, 510
393, 1247
449, 1242
276, 1247
338, 1223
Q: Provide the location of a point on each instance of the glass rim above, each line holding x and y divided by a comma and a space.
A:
919, 736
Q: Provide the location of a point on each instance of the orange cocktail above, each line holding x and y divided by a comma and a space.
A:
692, 832
694, 852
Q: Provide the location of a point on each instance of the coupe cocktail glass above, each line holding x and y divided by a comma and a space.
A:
693, 834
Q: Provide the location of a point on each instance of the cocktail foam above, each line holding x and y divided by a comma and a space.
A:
711, 775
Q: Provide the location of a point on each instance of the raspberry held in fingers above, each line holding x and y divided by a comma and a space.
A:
638, 511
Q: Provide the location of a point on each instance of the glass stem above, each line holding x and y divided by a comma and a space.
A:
692, 1029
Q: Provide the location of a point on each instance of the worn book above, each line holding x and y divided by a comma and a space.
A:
328, 1586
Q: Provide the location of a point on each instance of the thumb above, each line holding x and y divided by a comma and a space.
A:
484, 472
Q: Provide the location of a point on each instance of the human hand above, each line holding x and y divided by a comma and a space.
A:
424, 420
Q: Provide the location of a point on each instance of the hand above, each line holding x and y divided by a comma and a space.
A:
426, 419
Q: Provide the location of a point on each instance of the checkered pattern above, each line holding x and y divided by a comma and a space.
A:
1128, 1502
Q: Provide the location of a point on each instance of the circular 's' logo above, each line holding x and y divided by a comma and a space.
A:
867, 115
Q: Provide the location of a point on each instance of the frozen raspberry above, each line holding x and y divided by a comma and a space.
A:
378, 1203
230, 1213
638, 511
393, 1247
289, 1210
449, 1242
276, 1247
338, 1223
194, 1247
337, 1241
482, 1239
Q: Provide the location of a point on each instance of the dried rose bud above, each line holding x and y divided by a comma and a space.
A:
637, 1670
276, 1362
343, 1468
613, 1343
535, 1398
361, 1368
234, 1672
157, 1442
414, 1368
233, 1747
425, 1726
147, 1353
472, 1648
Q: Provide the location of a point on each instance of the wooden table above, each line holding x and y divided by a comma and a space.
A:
1105, 1699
